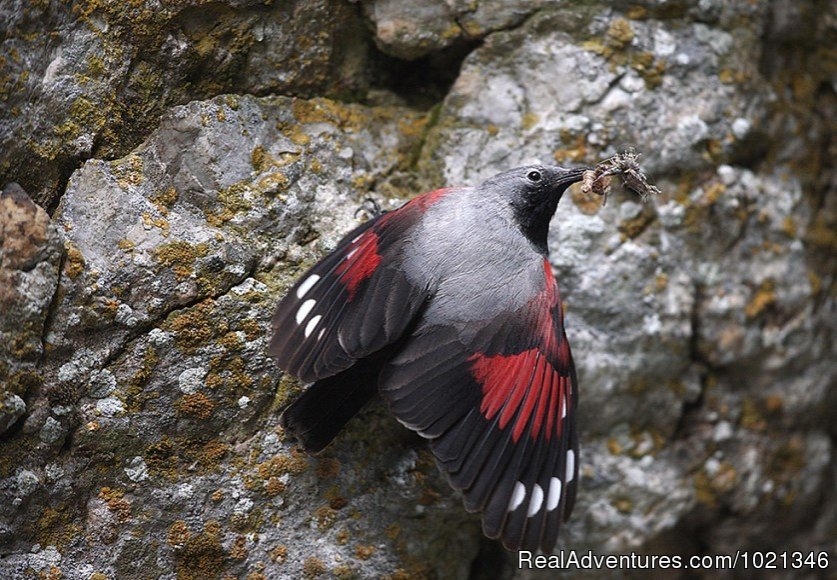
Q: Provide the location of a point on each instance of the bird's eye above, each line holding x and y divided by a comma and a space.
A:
534, 176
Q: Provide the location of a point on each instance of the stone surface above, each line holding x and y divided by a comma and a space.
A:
176, 255
702, 322
30, 253
109, 70
410, 30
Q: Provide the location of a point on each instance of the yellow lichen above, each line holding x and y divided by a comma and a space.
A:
178, 534
202, 556
135, 395
238, 551
751, 416
196, 404
74, 264
259, 158
529, 120
116, 502
274, 486
620, 33
313, 568
180, 256
165, 200
363, 552
588, 204
327, 468
623, 505
631, 228
281, 464
279, 554
326, 517
232, 200
392, 531
764, 297
128, 171
195, 327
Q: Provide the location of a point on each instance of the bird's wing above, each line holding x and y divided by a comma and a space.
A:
498, 404
352, 303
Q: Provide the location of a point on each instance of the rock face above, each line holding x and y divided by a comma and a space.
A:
30, 252
138, 406
107, 71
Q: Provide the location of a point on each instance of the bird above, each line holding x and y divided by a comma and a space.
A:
448, 308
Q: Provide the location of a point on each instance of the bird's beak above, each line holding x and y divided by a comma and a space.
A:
569, 176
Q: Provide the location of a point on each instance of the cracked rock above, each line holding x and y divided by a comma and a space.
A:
30, 253
92, 79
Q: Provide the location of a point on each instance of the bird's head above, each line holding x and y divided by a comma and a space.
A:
533, 193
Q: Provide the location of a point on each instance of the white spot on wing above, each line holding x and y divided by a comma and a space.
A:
312, 324
564, 408
319, 336
536, 501
554, 493
517, 497
303, 288
352, 253
570, 465
304, 310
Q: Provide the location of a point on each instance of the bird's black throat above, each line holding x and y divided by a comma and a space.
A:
533, 216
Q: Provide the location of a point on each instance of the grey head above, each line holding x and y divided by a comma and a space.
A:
533, 193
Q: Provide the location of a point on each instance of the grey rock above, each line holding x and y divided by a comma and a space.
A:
12, 408
415, 29
93, 79
30, 252
185, 231
703, 300
52, 431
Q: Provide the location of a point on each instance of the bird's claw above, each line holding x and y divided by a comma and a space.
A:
371, 207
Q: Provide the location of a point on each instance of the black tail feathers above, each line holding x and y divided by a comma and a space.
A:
319, 414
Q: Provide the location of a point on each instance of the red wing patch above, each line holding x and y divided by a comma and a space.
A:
532, 385
524, 385
362, 254
361, 260
354, 301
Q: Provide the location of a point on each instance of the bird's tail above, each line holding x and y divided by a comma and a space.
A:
319, 414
